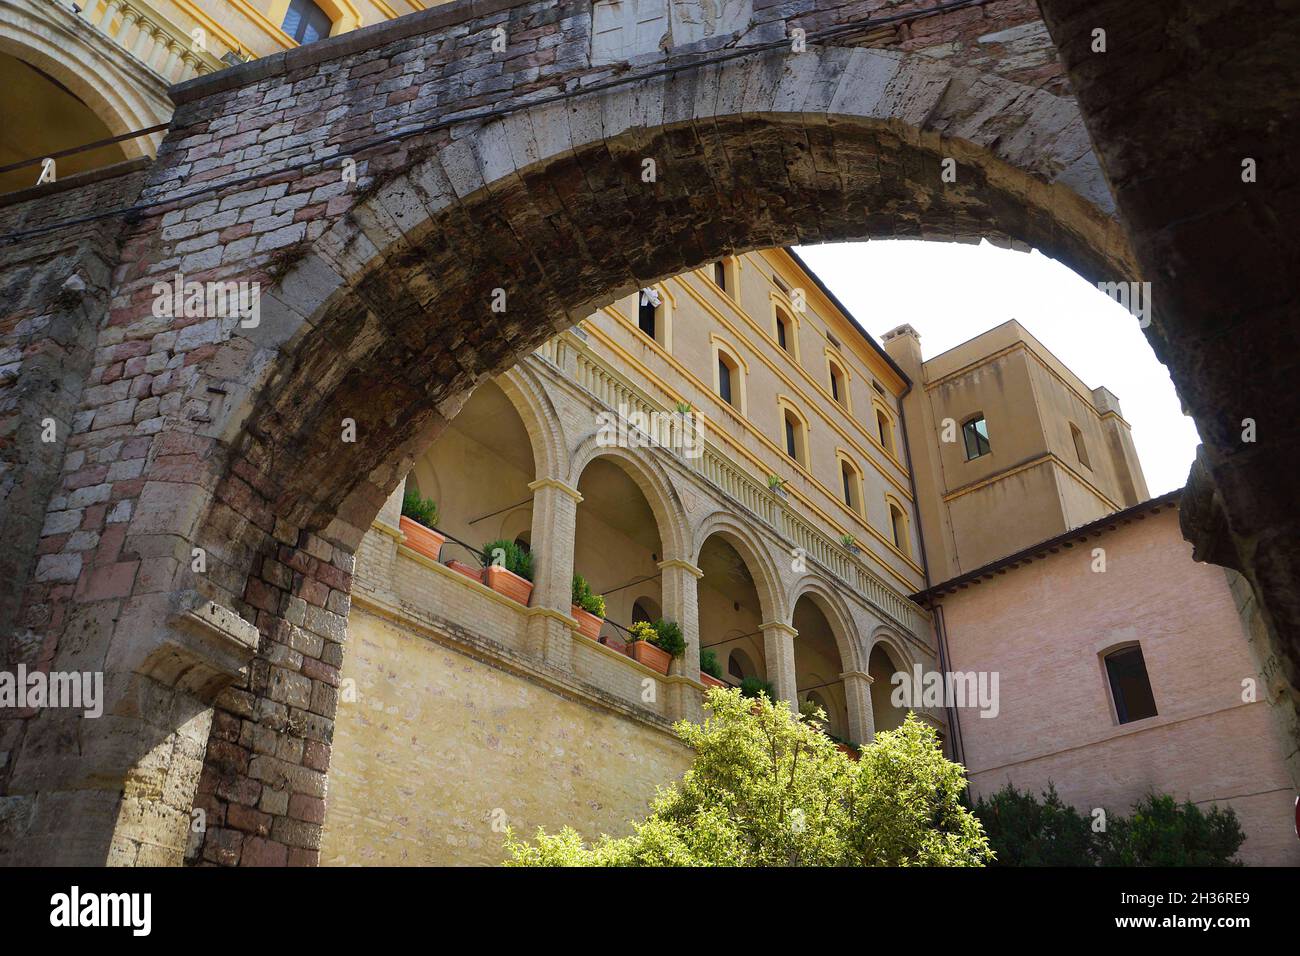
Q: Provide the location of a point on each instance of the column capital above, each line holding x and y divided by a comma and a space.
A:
686, 566
558, 485
848, 675
779, 626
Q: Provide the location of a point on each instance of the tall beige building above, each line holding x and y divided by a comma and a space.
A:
1009, 447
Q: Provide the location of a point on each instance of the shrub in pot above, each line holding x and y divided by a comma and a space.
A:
645, 649
419, 515
754, 686
508, 570
588, 608
710, 670
668, 637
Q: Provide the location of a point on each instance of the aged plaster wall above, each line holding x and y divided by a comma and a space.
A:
439, 745
1042, 627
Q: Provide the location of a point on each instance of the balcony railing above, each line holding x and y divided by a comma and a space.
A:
616, 392
151, 38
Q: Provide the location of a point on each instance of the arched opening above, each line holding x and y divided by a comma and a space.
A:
818, 666
477, 472
794, 435
881, 667
728, 378
730, 610
885, 430
785, 331
617, 547
839, 382
382, 314
53, 118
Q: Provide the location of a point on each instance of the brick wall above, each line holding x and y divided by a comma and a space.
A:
1042, 627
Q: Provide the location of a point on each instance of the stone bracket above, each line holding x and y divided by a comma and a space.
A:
205, 649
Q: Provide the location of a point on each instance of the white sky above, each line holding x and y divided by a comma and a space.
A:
951, 292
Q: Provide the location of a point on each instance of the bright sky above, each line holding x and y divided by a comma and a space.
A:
951, 292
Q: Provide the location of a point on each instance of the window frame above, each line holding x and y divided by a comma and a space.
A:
894, 506
802, 441
341, 14
720, 349
835, 363
969, 421
730, 266
663, 319
856, 480
1080, 445
1119, 712
890, 447
782, 307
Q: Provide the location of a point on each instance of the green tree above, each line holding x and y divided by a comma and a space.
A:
767, 788
1162, 832
1024, 832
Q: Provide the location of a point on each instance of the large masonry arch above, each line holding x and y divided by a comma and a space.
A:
276, 445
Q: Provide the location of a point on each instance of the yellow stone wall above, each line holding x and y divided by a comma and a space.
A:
438, 743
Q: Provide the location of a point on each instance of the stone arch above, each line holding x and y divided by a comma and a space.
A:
896, 646
900, 658
121, 92
1039, 188
837, 613
378, 311
537, 412
670, 516
755, 554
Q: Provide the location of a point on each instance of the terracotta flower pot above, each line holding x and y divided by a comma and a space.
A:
643, 652
588, 624
507, 583
474, 574
420, 539
708, 680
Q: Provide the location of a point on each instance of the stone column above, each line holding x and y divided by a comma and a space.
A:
681, 604
778, 649
857, 694
550, 626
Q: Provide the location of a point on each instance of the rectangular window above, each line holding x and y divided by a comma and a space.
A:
1129, 686
724, 381
835, 386
306, 22
847, 473
1080, 448
780, 335
790, 448
976, 434
720, 275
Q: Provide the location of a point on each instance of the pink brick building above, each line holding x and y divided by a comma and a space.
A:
1046, 619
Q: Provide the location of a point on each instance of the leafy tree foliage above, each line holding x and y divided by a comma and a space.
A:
767, 788
1024, 832
1158, 832
1162, 832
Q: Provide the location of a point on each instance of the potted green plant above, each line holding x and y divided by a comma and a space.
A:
588, 608
419, 515
850, 544
655, 645
754, 686
776, 485
710, 670
508, 570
